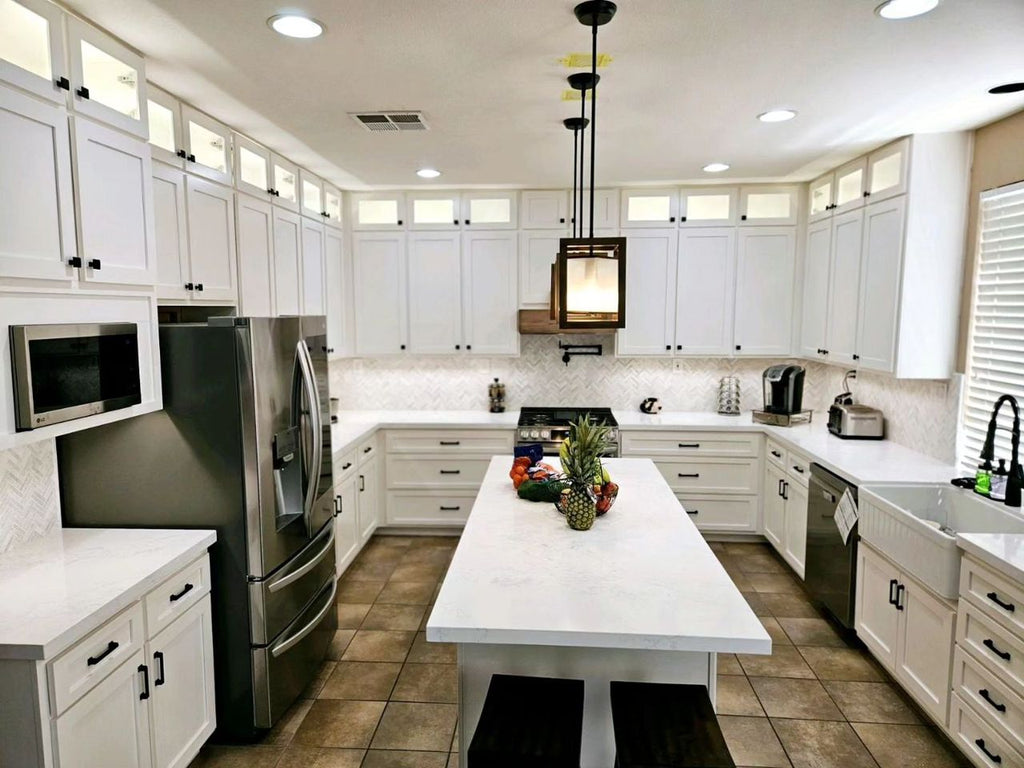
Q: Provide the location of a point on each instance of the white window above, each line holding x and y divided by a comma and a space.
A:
995, 358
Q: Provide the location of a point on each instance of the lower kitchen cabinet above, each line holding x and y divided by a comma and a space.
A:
774, 505
907, 628
347, 538
785, 504
368, 505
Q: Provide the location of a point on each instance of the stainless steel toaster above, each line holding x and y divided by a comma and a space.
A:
856, 422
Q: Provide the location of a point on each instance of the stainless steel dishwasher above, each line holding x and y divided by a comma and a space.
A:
830, 570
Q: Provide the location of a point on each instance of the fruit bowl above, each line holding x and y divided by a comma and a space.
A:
604, 497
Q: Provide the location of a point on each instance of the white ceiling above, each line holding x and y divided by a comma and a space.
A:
687, 80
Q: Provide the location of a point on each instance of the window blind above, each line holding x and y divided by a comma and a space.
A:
995, 364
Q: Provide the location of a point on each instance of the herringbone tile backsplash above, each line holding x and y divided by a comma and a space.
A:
29, 499
921, 414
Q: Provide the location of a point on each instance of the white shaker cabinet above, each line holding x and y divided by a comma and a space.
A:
490, 292
114, 200
649, 208
887, 170
287, 255
877, 623
347, 536
37, 218
650, 293
538, 251
774, 505
207, 145
766, 260
435, 293
544, 209
32, 48
368, 506
211, 241
166, 137
434, 210
881, 260
252, 167
844, 286
337, 291
606, 212
769, 205
817, 268
170, 226
493, 209
378, 275
705, 280
708, 206
254, 225
378, 210
314, 272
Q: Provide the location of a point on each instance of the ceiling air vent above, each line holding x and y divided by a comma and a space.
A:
391, 122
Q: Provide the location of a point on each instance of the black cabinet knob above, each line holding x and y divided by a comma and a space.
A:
199, 286
75, 261
63, 83
399, 222
467, 222
743, 217
94, 264
403, 346
469, 346
739, 347
82, 92
866, 193
458, 346
668, 347
562, 220
672, 219
682, 218
679, 347
189, 286
856, 357
456, 222
191, 158
181, 153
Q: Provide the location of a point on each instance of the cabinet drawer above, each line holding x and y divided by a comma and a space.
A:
776, 454
711, 475
423, 472
798, 468
978, 739
367, 450
477, 441
429, 508
720, 513
83, 666
993, 701
996, 596
176, 595
687, 443
995, 647
345, 465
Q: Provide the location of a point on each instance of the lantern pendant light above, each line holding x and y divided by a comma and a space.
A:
591, 271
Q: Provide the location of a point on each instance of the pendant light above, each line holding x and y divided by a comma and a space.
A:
575, 124
591, 272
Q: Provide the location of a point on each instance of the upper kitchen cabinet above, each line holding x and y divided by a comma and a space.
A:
287, 256
434, 210
817, 271
37, 218
544, 209
166, 138
887, 170
114, 203
32, 48
378, 268
284, 180
705, 284
649, 207
765, 267
337, 290
378, 210
708, 206
769, 205
850, 185
312, 195
606, 212
489, 210
435, 300
314, 269
208, 145
490, 293
252, 167
332, 205
255, 237
538, 251
108, 79
820, 197
650, 294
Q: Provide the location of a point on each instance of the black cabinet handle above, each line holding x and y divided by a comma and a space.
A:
189, 286
94, 264
985, 695
270, 191
693, 511
346, 465
866, 193
780, 488
145, 682
161, 677
367, 449
337, 505
776, 454
63, 83
449, 509
856, 357
199, 286
325, 214
1005, 606
191, 158
562, 220
182, 154
75, 261
899, 593
689, 474
892, 586
981, 742
277, 193
1004, 655
785, 490
451, 471
450, 442
184, 591
83, 92
689, 445
362, 483
112, 646
798, 469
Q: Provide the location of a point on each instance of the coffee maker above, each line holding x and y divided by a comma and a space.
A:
783, 389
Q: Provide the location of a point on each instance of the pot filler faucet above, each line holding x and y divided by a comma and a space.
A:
1016, 478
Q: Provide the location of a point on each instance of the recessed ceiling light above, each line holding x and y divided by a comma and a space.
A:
294, 25
1007, 88
776, 115
428, 173
716, 167
905, 9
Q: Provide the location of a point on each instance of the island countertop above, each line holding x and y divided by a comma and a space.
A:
642, 578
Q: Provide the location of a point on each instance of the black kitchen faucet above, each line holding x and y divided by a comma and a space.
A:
1016, 478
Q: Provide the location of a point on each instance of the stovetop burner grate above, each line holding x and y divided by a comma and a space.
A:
560, 417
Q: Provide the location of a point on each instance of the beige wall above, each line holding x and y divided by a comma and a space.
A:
998, 161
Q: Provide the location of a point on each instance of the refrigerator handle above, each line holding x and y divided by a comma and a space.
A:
305, 366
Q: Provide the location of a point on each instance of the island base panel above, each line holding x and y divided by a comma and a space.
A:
597, 667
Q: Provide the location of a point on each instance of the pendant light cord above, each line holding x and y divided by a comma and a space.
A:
575, 158
593, 132
583, 144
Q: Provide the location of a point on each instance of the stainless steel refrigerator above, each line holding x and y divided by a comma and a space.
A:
243, 446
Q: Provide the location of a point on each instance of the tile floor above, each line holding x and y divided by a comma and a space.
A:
387, 699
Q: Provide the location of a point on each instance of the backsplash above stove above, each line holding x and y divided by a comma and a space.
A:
921, 415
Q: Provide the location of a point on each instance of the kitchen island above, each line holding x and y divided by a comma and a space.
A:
639, 597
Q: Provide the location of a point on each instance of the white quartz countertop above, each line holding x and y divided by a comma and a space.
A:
859, 461
1002, 551
58, 588
641, 578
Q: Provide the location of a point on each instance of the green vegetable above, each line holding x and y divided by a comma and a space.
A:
546, 490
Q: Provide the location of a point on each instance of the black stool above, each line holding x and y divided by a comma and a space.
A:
529, 722
659, 725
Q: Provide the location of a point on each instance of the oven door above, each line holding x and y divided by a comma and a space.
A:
65, 372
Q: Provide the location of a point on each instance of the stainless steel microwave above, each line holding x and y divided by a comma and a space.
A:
65, 372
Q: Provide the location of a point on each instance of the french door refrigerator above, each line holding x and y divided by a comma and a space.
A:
242, 446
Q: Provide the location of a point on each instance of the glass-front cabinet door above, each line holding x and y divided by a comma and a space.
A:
209, 145
490, 210
768, 205
165, 135
32, 48
887, 170
850, 186
332, 204
820, 197
708, 206
312, 197
649, 207
284, 176
378, 210
252, 167
434, 210
108, 79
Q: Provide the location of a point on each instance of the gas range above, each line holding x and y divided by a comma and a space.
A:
550, 426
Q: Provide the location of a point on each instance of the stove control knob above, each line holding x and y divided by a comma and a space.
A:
534, 434
545, 434
612, 434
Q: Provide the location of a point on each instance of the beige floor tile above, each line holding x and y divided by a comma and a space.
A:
423, 652
386, 616
841, 664
359, 591
752, 742
387, 540
788, 697
775, 583
717, 547
318, 680
428, 682
907, 746
408, 592
812, 632
380, 758
378, 555
340, 724
453, 760
369, 571
775, 631
762, 562
756, 602
822, 744
283, 731
728, 664
427, 555
379, 645
340, 642
218, 756
735, 697
745, 549
784, 605
351, 615
741, 581
409, 726
320, 757
871, 702
418, 572
361, 681
784, 661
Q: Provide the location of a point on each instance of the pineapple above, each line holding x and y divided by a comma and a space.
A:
581, 462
